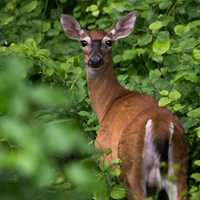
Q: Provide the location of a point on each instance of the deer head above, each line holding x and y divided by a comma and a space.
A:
97, 45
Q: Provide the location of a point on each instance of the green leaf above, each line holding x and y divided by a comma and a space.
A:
194, 113
186, 75
164, 92
194, 24
155, 26
45, 26
157, 58
49, 71
117, 58
116, 171
181, 29
129, 54
140, 51
154, 74
191, 76
196, 54
144, 40
178, 107
164, 101
84, 114
197, 163
29, 7
94, 9
162, 43
164, 4
6, 20
95, 13
198, 132
196, 176
118, 192
174, 95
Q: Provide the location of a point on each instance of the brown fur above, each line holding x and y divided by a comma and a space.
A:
96, 35
122, 116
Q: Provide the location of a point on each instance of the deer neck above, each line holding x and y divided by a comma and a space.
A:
104, 90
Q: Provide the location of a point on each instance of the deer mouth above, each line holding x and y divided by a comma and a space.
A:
96, 67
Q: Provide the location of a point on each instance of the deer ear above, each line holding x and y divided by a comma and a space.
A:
70, 26
123, 27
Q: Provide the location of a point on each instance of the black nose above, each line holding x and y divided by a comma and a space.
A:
95, 61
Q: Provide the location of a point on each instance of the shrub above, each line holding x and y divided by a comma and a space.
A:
46, 123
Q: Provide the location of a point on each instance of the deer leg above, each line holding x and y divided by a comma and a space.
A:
136, 184
177, 189
177, 167
130, 153
181, 180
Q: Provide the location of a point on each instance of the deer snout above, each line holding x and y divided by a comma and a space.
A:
95, 61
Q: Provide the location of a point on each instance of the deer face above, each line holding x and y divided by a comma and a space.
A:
97, 45
97, 48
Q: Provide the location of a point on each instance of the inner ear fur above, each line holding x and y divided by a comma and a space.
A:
71, 27
123, 27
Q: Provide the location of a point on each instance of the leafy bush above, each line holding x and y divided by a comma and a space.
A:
46, 123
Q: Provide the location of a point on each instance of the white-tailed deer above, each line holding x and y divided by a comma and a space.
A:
140, 133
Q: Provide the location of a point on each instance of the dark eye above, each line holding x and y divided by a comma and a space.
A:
84, 43
108, 43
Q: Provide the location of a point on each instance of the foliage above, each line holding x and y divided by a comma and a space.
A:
46, 123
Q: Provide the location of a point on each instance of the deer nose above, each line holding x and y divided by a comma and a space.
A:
95, 61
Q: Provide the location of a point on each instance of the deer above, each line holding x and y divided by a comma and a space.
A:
140, 133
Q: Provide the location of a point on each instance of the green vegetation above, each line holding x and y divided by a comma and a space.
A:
47, 127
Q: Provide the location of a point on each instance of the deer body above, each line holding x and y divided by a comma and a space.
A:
138, 132
122, 129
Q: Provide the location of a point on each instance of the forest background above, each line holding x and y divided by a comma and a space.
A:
47, 128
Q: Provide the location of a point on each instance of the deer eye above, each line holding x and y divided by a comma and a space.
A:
108, 43
84, 43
